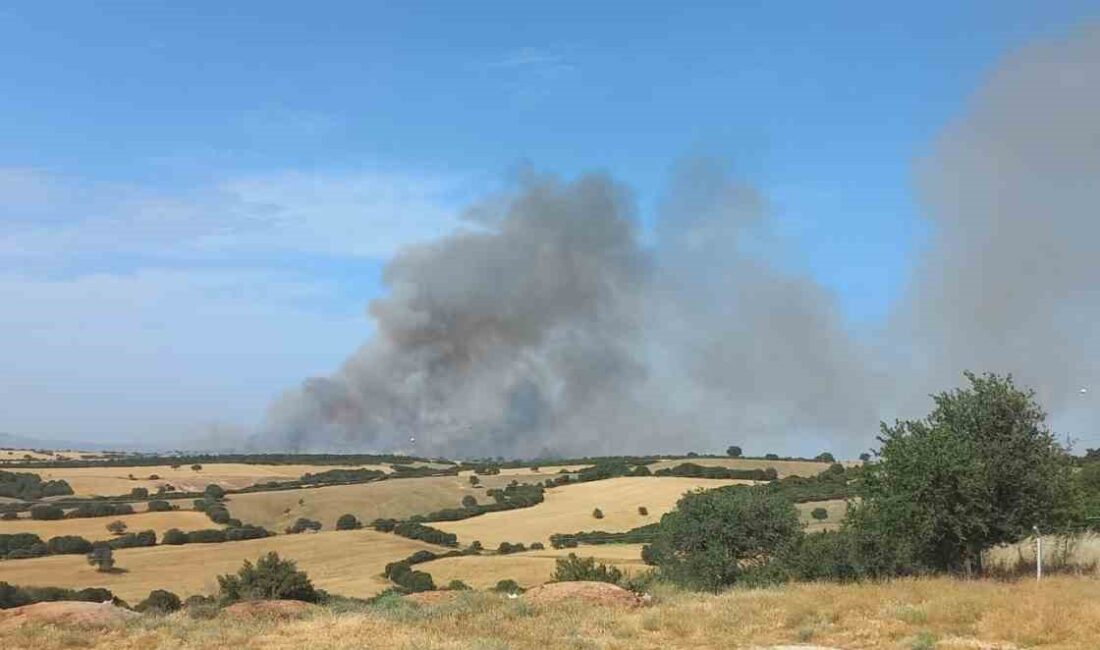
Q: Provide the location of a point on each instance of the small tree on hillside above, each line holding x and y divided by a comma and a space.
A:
597, 513
979, 471
214, 492
116, 527
825, 457
102, 558
733, 451
820, 514
469, 501
474, 480
271, 578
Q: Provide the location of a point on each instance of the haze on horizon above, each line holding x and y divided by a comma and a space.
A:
656, 234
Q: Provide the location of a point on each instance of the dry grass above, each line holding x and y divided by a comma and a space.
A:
95, 528
346, 562
836, 508
113, 481
783, 467
397, 498
568, 509
1062, 614
528, 569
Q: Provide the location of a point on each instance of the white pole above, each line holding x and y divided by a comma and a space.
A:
1038, 555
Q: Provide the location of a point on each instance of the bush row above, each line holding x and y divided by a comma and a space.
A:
177, 537
29, 487
700, 471
415, 530
639, 535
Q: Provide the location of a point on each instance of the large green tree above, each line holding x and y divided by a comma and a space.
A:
982, 469
713, 537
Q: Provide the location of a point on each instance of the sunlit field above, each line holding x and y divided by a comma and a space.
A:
569, 509
346, 562
95, 528
113, 481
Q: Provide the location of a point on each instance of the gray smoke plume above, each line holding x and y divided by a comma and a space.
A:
549, 329
1011, 279
546, 327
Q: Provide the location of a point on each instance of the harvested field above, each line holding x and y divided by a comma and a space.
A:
397, 498
114, 481
95, 528
345, 562
530, 568
568, 509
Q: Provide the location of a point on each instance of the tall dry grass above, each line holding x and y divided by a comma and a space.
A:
1062, 612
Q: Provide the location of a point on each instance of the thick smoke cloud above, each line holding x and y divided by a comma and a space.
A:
545, 327
548, 329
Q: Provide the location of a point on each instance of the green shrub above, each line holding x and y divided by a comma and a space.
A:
643, 511
384, 525
206, 536
134, 540
271, 578
537, 546
508, 586
68, 545
348, 522
116, 527
139, 493
820, 514
159, 601
214, 492
469, 501
44, 512
302, 525
507, 547
174, 537
17, 541
708, 540
573, 569
597, 513
159, 506
457, 585
28, 487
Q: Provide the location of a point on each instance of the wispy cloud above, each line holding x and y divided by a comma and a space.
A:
355, 213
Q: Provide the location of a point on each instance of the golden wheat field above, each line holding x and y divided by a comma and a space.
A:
349, 563
95, 528
113, 481
568, 509
395, 498
530, 568
1061, 613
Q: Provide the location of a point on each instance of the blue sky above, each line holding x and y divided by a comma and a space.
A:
197, 199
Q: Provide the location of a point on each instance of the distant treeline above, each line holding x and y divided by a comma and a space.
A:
639, 535
248, 459
702, 471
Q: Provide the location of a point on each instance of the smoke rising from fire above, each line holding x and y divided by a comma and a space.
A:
545, 326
